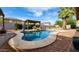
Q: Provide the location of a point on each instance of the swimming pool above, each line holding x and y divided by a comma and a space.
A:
35, 35
33, 41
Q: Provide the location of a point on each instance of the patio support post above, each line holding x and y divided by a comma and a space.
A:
27, 24
3, 23
24, 26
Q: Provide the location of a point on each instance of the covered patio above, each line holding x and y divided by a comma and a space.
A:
31, 25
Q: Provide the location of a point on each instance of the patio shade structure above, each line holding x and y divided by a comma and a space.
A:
77, 17
2, 15
77, 12
31, 23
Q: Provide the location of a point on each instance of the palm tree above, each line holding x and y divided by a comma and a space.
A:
2, 15
65, 13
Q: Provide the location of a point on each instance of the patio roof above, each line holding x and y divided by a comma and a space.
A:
1, 12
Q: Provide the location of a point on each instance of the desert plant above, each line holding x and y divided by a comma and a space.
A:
18, 26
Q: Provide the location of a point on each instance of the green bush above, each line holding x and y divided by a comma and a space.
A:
59, 22
18, 26
2, 31
71, 22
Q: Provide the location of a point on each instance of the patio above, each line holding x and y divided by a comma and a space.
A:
63, 41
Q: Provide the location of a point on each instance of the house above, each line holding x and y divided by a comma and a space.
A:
13, 20
10, 23
46, 25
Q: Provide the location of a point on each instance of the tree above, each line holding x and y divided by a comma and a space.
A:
65, 13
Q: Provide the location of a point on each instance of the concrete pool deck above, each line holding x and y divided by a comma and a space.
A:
67, 33
63, 43
23, 45
18, 43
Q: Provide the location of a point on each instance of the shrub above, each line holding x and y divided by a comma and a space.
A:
59, 22
18, 26
71, 22
2, 31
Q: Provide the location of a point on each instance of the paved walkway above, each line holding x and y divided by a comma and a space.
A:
4, 39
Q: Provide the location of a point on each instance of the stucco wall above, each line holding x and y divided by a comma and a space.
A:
8, 26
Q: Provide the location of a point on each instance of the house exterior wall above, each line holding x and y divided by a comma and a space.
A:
10, 23
13, 21
10, 26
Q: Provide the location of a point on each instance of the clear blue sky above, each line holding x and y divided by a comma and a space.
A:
44, 14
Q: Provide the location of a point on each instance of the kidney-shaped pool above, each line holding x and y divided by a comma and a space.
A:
35, 35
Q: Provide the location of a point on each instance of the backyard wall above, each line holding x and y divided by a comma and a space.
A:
8, 26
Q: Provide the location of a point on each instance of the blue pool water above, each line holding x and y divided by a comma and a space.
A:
33, 36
